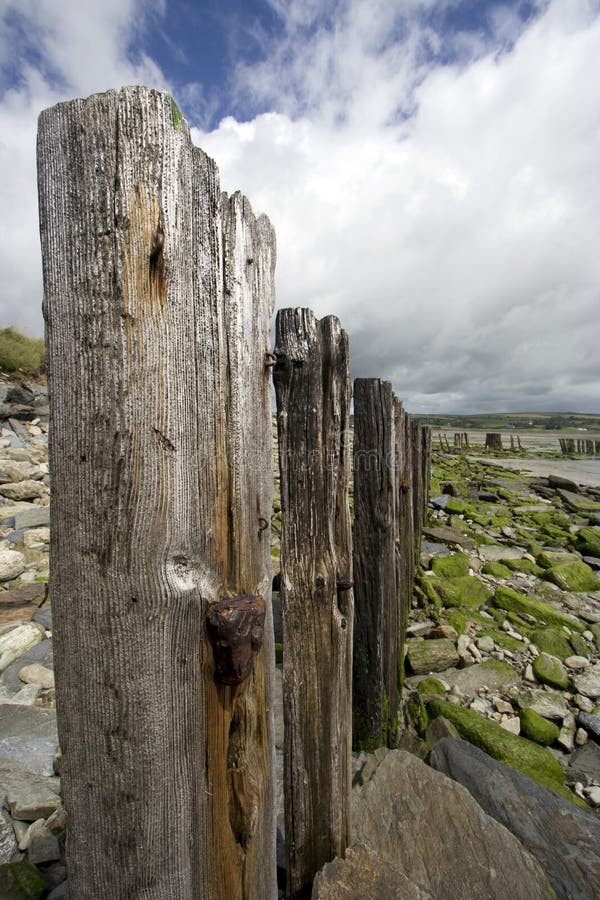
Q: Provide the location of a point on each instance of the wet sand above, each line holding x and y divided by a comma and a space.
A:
581, 471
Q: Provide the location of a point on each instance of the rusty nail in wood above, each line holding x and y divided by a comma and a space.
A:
158, 244
235, 627
270, 359
262, 524
404, 487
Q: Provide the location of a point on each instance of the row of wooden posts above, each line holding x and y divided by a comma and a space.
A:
589, 446
158, 297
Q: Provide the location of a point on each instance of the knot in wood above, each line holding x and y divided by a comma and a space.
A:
344, 584
404, 487
235, 627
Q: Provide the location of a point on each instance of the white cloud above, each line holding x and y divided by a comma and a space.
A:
458, 246
447, 213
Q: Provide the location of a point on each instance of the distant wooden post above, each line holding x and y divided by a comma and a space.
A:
313, 406
157, 298
493, 441
380, 477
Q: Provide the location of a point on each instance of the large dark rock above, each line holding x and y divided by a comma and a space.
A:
591, 723
432, 830
565, 840
584, 765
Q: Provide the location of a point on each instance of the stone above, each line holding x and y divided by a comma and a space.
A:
496, 674
581, 737
564, 839
44, 617
430, 655
28, 694
549, 670
41, 845
37, 537
12, 563
512, 725
587, 541
549, 704
588, 682
431, 686
8, 841
566, 737
32, 516
577, 662
449, 536
513, 601
453, 566
538, 729
417, 820
29, 735
553, 641
593, 795
579, 502
363, 873
28, 795
515, 751
574, 576
558, 481
438, 729
591, 723
59, 893
23, 490
21, 881
584, 765
42, 653
14, 644
485, 644
12, 471
35, 673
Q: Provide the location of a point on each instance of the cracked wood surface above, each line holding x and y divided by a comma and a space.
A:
158, 292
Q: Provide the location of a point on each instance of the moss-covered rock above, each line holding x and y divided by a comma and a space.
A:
528, 566
550, 670
454, 566
430, 656
455, 506
579, 645
595, 629
417, 714
538, 729
21, 881
509, 599
517, 752
463, 591
587, 541
547, 559
496, 570
552, 641
431, 686
573, 576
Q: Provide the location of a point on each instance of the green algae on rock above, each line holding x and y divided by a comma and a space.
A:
430, 656
587, 541
538, 729
552, 641
431, 686
465, 590
451, 566
514, 751
574, 576
496, 570
509, 599
550, 670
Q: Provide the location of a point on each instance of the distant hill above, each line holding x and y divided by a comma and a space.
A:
551, 421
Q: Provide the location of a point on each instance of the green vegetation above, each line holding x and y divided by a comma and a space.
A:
512, 601
19, 353
176, 115
521, 754
538, 729
513, 421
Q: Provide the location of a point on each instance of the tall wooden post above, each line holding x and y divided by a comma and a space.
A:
379, 466
158, 292
313, 400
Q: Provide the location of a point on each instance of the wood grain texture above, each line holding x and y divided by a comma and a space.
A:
313, 400
377, 622
158, 292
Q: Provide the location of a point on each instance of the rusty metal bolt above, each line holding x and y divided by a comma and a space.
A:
235, 627
270, 359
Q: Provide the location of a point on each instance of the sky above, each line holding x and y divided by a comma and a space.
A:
432, 170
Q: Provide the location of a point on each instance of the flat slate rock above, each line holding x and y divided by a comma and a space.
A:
364, 875
8, 842
445, 535
44, 617
23, 595
431, 829
584, 765
28, 734
27, 795
564, 839
495, 674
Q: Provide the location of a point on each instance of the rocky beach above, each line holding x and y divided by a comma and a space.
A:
495, 784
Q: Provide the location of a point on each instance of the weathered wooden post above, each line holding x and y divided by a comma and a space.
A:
157, 296
380, 478
313, 407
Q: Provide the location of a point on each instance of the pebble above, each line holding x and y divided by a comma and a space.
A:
577, 662
513, 725
581, 737
485, 644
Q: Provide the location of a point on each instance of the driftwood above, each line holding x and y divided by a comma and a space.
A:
157, 298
